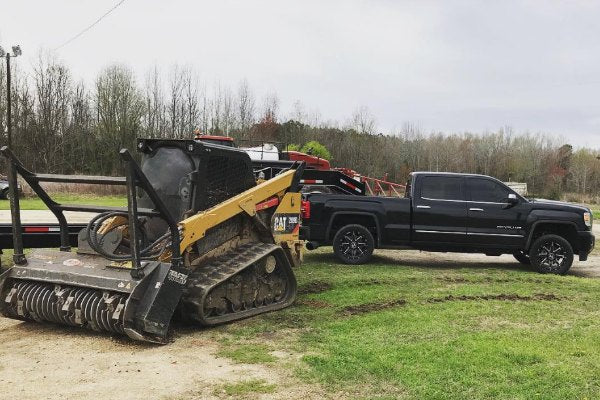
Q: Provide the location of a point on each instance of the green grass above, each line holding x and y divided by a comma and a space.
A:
446, 333
247, 353
247, 387
34, 203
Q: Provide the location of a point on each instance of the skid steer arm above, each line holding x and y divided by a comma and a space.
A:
195, 227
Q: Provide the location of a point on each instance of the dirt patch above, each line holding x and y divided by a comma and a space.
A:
460, 279
370, 307
503, 296
454, 261
370, 281
499, 280
104, 365
315, 287
452, 279
314, 303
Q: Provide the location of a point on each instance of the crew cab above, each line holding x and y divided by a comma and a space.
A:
451, 212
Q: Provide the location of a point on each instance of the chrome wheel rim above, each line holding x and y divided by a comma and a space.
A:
551, 256
353, 245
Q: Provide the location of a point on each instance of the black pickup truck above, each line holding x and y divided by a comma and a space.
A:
451, 212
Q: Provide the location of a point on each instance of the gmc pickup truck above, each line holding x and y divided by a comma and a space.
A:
451, 212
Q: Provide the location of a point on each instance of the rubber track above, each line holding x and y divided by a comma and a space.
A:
207, 277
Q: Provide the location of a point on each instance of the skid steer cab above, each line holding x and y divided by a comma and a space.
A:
199, 239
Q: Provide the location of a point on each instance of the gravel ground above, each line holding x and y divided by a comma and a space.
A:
56, 362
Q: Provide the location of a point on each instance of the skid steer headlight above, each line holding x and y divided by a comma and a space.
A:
588, 218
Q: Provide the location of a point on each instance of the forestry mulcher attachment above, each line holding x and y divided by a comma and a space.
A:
199, 239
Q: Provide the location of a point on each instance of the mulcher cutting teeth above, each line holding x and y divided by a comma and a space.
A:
83, 291
44, 302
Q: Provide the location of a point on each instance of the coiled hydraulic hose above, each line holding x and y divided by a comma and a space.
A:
150, 252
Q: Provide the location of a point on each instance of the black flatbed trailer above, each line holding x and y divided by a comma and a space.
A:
39, 235
324, 181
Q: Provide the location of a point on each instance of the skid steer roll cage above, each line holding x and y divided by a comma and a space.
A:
133, 180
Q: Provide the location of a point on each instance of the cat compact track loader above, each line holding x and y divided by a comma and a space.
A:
199, 239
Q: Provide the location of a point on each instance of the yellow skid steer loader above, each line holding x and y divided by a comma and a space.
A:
199, 238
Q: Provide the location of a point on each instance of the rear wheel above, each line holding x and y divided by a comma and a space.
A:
6, 194
522, 257
551, 254
353, 244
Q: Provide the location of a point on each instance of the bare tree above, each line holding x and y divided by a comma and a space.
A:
363, 121
120, 107
52, 95
270, 107
154, 123
217, 110
191, 116
176, 102
228, 113
299, 113
245, 107
205, 111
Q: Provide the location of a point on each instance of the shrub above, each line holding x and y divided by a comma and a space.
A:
316, 149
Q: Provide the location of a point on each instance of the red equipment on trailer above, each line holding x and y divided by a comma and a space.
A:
372, 186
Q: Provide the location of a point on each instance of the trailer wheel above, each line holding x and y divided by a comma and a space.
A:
522, 257
353, 244
551, 254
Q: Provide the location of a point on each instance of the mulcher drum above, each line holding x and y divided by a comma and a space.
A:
85, 291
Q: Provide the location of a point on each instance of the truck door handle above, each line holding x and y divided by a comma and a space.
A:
475, 209
423, 207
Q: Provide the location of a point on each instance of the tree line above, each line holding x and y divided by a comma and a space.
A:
63, 125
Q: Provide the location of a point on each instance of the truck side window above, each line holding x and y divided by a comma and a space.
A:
486, 190
441, 188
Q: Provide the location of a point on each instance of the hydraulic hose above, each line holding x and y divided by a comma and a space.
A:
150, 252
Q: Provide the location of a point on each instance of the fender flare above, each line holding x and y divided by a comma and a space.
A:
546, 221
368, 214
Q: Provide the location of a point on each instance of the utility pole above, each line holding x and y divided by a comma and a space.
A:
8, 102
16, 51
15, 212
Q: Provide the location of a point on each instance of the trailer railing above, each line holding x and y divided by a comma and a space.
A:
382, 187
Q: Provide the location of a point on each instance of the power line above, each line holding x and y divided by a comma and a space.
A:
91, 26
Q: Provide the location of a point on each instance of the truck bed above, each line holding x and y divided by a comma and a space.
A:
390, 217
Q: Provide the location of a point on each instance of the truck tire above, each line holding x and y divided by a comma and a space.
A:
551, 254
353, 244
522, 257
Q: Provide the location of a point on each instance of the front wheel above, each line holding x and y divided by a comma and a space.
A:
551, 254
353, 244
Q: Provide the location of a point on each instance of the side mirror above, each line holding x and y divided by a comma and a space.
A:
511, 200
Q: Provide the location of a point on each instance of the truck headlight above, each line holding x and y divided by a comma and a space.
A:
588, 218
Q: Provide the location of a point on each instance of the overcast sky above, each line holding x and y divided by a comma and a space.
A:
449, 66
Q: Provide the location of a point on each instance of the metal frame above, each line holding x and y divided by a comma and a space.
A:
135, 179
393, 189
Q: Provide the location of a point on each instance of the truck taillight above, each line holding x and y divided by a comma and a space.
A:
305, 209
